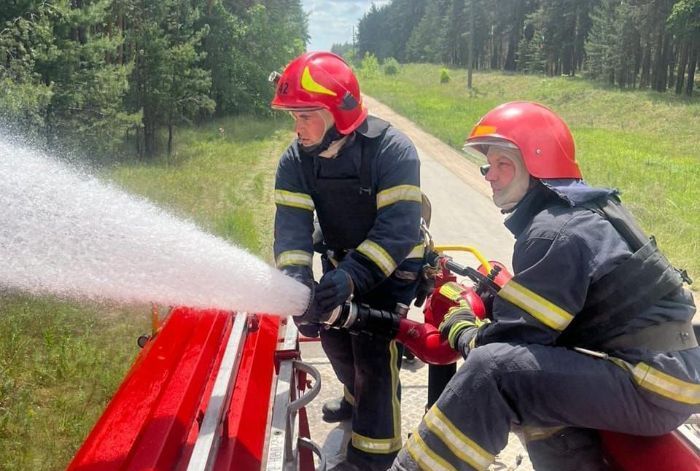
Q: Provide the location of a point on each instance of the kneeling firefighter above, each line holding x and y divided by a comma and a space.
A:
361, 178
592, 332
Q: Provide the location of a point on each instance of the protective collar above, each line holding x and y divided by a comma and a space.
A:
331, 136
576, 192
571, 192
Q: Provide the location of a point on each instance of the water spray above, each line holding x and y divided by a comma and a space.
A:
64, 232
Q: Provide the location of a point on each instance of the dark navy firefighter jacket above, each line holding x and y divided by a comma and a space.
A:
562, 248
388, 243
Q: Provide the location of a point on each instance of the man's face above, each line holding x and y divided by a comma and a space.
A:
501, 169
507, 175
311, 126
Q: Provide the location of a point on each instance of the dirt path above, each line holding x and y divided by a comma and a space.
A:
463, 212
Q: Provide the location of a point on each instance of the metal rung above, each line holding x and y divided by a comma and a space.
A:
283, 442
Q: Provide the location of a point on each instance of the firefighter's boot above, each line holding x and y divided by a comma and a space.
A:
337, 410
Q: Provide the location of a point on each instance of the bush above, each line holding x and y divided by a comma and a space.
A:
391, 66
370, 65
444, 76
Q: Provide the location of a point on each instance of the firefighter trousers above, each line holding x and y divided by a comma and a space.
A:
368, 367
555, 396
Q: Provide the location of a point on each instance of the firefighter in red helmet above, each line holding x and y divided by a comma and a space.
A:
593, 332
360, 177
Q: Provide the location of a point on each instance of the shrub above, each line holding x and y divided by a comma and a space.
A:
370, 65
391, 66
444, 76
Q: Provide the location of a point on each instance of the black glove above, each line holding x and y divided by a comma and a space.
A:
307, 330
334, 289
424, 289
460, 327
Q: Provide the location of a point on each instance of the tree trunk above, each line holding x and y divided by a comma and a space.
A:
470, 53
170, 139
692, 64
646, 64
149, 132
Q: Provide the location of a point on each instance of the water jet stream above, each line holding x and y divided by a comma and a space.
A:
64, 232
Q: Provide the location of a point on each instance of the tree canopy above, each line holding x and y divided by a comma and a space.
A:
93, 71
629, 43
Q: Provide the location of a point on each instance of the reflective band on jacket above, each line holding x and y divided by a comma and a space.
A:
378, 256
459, 444
538, 307
662, 383
417, 252
399, 193
426, 458
294, 257
295, 200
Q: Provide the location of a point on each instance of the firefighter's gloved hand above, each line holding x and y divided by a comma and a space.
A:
460, 327
425, 287
307, 321
308, 330
334, 289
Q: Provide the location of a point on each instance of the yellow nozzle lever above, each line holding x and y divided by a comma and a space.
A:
465, 248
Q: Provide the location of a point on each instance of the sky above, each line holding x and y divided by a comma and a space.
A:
331, 21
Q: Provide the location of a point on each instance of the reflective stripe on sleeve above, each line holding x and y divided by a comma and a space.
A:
294, 257
295, 200
417, 252
459, 444
426, 458
538, 307
398, 193
378, 256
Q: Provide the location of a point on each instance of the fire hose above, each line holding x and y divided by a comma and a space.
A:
423, 339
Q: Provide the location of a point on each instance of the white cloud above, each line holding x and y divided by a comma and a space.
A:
331, 21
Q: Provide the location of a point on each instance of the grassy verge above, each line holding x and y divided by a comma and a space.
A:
643, 143
61, 362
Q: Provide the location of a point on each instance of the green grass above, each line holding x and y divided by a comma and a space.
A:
60, 362
59, 365
643, 143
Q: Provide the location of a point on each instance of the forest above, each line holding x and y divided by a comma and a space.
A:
119, 76
643, 44
95, 74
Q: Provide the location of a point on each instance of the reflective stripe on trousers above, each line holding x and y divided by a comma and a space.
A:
535, 386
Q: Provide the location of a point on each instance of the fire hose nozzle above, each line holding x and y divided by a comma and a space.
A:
422, 339
360, 318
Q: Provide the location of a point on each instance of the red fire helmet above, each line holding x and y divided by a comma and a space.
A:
318, 80
543, 138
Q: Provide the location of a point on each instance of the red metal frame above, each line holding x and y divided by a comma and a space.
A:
153, 419
633, 453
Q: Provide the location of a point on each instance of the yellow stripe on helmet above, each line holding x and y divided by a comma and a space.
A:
310, 85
